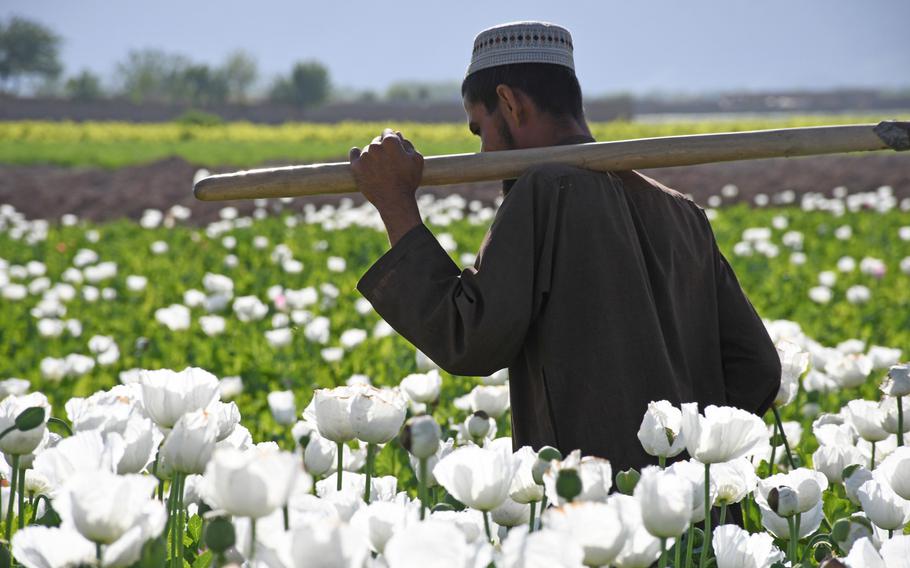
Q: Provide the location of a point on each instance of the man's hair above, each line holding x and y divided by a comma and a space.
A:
553, 88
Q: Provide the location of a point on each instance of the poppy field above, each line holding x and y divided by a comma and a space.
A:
182, 395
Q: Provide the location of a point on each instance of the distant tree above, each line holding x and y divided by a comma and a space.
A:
308, 85
27, 50
423, 91
86, 86
152, 75
200, 85
240, 72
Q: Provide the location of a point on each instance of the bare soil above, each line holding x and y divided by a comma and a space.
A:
50, 191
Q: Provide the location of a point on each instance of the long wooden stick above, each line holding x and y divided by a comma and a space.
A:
294, 181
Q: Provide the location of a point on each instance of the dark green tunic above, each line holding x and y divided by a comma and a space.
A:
600, 292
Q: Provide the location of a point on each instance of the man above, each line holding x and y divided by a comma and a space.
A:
600, 291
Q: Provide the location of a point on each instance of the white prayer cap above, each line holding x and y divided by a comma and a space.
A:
522, 42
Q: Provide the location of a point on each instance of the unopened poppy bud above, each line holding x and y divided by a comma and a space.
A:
479, 424
30, 418
627, 480
783, 501
420, 436
840, 530
549, 453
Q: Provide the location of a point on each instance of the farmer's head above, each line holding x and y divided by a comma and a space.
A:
521, 86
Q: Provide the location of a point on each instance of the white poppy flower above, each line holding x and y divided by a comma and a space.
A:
736, 548
895, 470
886, 509
282, 407
661, 429
189, 445
888, 406
16, 441
435, 542
666, 501
794, 362
640, 549
320, 455
723, 433
494, 400
175, 317
167, 395
45, 547
777, 525
524, 489
884, 357
832, 459
333, 412
478, 477
377, 414
422, 387
251, 483
212, 325
808, 486
866, 418
596, 527
380, 520
898, 381
543, 547
249, 308
596, 477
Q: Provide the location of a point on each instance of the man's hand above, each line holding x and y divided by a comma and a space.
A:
387, 173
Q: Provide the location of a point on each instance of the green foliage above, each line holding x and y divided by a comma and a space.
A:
241, 144
194, 117
28, 48
86, 86
157, 76
308, 85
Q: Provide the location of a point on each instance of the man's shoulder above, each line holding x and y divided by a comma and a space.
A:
552, 172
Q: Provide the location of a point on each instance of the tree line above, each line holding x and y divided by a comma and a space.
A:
30, 64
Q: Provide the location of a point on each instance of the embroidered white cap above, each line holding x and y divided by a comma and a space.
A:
522, 42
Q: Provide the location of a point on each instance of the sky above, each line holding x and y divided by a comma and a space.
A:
681, 47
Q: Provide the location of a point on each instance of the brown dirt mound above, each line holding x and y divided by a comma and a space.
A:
50, 191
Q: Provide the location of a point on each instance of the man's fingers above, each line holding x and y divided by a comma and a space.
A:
354, 153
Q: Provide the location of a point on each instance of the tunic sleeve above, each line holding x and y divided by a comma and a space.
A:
751, 365
469, 322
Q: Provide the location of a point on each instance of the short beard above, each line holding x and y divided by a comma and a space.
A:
505, 133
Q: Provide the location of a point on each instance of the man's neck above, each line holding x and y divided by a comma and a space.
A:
558, 131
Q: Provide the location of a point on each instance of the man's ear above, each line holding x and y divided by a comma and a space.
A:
511, 103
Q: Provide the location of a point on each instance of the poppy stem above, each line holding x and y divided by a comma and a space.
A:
252, 537
533, 510
543, 507
14, 469
690, 544
340, 452
486, 525
706, 546
872, 460
662, 460
371, 451
663, 553
677, 558
21, 510
900, 421
780, 428
422, 486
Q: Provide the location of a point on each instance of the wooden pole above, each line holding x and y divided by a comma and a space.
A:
294, 181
